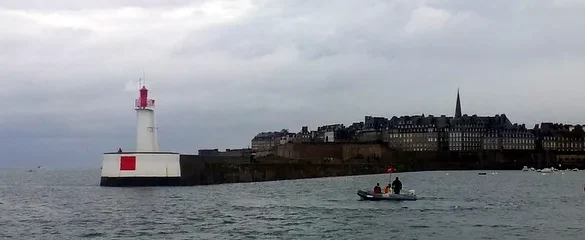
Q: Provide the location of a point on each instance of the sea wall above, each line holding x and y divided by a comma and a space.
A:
495, 160
310, 151
196, 170
310, 160
332, 151
380, 153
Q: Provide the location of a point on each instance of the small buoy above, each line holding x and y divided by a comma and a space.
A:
447, 174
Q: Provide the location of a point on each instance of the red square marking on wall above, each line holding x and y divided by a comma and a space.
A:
127, 163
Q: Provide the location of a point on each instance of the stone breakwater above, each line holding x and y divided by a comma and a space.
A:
225, 171
297, 161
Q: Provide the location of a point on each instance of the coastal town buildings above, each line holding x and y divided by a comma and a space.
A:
267, 141
560, 137
305, 135
458, 133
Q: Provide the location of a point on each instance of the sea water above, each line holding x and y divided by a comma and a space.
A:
70, 204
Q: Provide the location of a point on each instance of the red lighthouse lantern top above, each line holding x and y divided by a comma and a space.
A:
143, 101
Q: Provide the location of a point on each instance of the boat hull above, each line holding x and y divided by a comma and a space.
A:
367, 195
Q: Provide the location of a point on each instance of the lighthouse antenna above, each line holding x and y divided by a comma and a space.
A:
143, 77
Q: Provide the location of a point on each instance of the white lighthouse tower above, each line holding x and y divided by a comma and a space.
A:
146, 130
146, 166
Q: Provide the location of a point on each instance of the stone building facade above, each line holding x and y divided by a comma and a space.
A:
560, 137
462, 132
458, 133
268, 141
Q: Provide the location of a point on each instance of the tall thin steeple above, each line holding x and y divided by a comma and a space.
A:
458, 107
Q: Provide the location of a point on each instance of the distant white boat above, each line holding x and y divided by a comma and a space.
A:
532, 169
575, 169
525, 168
546, 170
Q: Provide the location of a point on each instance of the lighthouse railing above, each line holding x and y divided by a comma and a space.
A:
149, 103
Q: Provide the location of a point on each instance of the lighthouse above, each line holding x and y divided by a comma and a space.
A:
146, 166
146, 130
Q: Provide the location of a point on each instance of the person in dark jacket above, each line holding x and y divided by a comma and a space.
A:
396, 186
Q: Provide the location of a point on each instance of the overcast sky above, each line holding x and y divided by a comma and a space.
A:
221, 71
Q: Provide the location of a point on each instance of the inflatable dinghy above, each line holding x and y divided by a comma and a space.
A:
369, 195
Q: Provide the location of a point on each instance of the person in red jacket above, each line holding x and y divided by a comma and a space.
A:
377, 189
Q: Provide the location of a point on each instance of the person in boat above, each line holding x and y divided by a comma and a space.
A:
388, 188
377, 188
396, 186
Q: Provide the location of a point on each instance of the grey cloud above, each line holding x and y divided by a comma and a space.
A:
284, 64
247, 40
88, 4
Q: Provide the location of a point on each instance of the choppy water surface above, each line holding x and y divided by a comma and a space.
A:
460, 205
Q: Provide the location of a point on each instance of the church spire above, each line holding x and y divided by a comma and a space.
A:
458, 107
